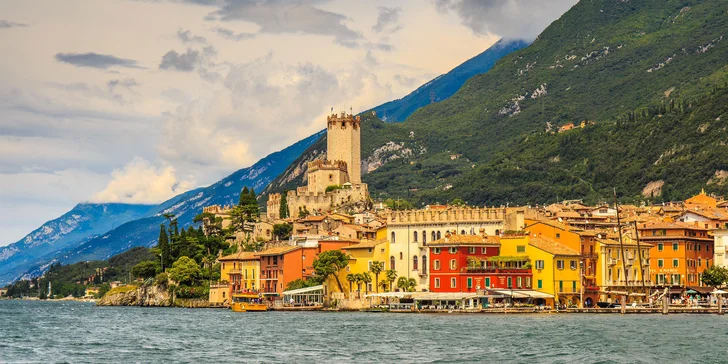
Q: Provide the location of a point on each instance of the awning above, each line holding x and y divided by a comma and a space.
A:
520, 293
435, 296
390, 294
304, 290
701, 290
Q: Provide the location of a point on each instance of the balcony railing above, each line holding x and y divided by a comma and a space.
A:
423, 273
494, 270
592, 256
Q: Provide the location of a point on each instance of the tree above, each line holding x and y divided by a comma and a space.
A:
366, 278
145, 269
715, 276
457, 202
351, 278
303, 212
376, 268
163, 246
391, 276
283, 210
300, 283
184, 270
330, 263
282, 231
406, 284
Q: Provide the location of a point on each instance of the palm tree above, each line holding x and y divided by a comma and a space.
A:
384, 284
351, 278
411, 284
376, 268
391, 276
358, 280
403, 284
366, 278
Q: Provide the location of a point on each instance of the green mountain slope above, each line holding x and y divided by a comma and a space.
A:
618, 65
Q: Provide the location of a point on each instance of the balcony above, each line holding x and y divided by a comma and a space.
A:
235, 271
591, 256
422, 273
612, 261
494, 270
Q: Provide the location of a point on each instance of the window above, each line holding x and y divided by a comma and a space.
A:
436, 251
675, 279
572, 264
391, 262
223, 265
438, 235
453, 264
471, 250
573, 286
414, 263
675, 246
424, 264
462, 232
223, 294
528, 282
437, 282
436, 264
700, 262
424, 237
520, 249
539, 284
510, 282
415, 236
401, 256
434, 236
561, 286
393, 236
483, 250
660, 263
558, 235
275, 260
675, 263
660, 279
487, 282
697, 246
539, 264
519, 282
470, 282
660, 247
253, 275
560, 264
453, 250
453, 282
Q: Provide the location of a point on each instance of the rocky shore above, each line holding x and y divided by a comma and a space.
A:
145, 295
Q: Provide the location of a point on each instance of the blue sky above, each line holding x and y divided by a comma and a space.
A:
135, 101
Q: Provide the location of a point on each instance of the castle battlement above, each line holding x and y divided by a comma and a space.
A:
217, 209
450, 215
343, 119
321, 164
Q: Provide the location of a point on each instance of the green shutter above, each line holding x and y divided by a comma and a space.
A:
573, 286
487, 282
540, 283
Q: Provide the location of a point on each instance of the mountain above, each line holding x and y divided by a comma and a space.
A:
95, 232
83, 222
647, 79
446, 85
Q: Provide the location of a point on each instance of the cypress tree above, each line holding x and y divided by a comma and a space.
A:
283, 211
243, 196
163, 246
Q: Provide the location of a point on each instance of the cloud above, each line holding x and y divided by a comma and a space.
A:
187, 37
506, 18
142, 183
11, 24
229, 34
289, 17
405, 80
95, 60
387, 17
185, 62
370, 60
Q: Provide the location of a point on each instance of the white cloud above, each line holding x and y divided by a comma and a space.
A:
140, 182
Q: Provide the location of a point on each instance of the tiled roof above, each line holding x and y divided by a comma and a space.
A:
466, 240
239, 256
365, 244
551, 246
278, 250
668, 225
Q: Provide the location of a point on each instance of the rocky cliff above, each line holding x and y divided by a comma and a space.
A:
148, 296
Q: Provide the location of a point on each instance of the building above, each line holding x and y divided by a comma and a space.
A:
239, 272
410, 231
680, 252
720, 248
362, 256
618, 277
468, 263
334, 182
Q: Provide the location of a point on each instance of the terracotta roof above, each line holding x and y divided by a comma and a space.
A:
239, 256
466, 240
552, 223
365, 244
277, 250
625, 242
668, 225
312, 218
573, 214
551, 246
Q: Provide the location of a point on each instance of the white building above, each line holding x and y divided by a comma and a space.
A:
720, 248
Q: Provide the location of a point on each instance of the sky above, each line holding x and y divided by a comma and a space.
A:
136, 101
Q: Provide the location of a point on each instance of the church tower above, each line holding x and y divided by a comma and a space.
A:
343, 143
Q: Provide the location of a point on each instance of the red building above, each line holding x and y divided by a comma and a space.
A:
460, 263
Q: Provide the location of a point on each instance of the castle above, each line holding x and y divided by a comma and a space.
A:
333, 183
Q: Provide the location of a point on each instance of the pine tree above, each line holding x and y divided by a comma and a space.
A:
163, 246
244, 194
283, 211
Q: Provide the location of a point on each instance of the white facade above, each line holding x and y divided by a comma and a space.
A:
721, 248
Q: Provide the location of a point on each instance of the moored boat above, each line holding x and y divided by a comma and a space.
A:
245, 302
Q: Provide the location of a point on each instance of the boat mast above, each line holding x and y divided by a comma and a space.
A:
621, 246
639, 255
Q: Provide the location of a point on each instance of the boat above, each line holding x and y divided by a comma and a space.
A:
248, 302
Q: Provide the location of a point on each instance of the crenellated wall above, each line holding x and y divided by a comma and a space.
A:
450, 215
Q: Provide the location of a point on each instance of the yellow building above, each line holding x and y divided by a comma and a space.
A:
613, 279
239, 272
362, 256
555, 266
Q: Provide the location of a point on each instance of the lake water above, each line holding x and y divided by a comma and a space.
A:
33, 331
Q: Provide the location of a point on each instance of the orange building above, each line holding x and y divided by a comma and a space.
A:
680, 252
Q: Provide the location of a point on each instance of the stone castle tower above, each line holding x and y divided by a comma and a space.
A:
343, 143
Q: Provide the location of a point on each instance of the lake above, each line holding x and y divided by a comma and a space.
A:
33, 331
